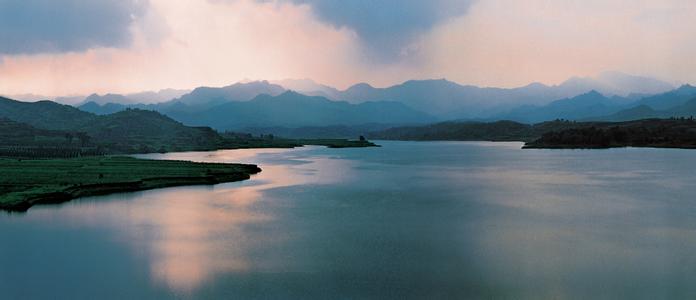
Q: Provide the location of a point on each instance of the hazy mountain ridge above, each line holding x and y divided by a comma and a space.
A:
292, 109
199, 99
449, 100
141, 98
412, 102
205, 97
669, 99
309, 87
109, 98
680, 102
583, 106
440, 98
616, 83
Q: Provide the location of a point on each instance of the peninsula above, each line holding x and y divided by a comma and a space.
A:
24, 183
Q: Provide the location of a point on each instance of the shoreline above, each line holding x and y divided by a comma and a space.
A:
20, 197
604, 147
50, 186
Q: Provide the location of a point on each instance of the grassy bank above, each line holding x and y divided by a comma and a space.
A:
24, 183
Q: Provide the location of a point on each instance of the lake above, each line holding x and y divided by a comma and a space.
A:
407, 220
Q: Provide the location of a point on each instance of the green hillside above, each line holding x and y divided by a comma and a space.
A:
44, 114
141, 131
49, 124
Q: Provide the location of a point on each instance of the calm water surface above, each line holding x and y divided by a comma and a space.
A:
419, 220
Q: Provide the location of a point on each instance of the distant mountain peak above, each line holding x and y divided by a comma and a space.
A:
290, 93
536, 85
685, 87
441, 81
241, 91
360, 85
617, 83
592, 93
253, 82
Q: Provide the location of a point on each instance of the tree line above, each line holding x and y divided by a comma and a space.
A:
48, 152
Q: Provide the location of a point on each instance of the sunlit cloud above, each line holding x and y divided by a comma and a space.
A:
206, 43
510, 43
189, 43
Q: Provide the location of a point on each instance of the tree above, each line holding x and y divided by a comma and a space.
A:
84, 138
362, 138
69, 137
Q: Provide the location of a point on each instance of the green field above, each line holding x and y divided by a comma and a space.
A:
24, 183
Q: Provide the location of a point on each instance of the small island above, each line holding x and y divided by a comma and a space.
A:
24, 183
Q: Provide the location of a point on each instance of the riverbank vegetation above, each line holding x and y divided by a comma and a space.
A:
663, 133
656, 133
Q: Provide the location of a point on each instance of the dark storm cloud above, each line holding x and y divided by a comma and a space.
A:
387, 26
53, 26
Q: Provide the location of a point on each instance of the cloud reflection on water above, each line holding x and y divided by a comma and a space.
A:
199, 236
191, 234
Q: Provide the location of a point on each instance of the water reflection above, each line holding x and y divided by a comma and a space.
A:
198, 234
191, 234
409, 220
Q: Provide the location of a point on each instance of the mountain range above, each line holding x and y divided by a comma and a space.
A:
291, 109
590, 104
450, 100
442, 99
286, 104
680, 102
135, 98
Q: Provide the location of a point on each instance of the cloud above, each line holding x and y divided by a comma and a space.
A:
54, 26
387, 27
188, 43
206, 43
511, 43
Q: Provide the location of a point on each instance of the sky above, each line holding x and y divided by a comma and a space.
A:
71, 47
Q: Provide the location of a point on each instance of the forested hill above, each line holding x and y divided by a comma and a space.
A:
661, 133
666, 133
135, 130
48, 124
45, 114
